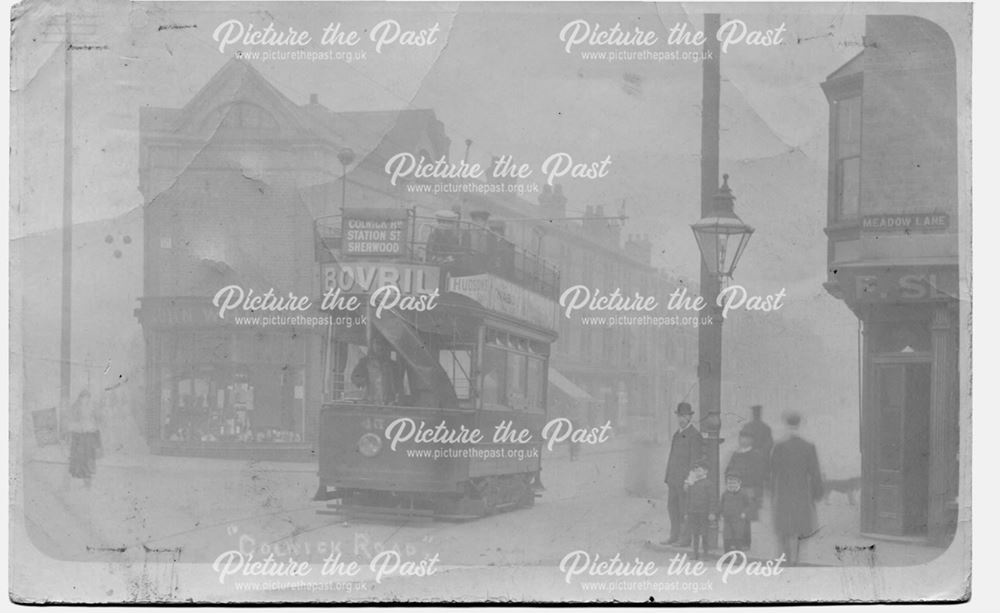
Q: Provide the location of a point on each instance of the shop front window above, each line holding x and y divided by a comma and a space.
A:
211, 392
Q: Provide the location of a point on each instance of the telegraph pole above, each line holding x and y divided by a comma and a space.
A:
66, 24
710, 336
65, 352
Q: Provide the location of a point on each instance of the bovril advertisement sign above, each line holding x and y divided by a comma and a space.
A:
367, 277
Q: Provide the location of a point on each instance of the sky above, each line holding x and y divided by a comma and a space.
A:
499, 75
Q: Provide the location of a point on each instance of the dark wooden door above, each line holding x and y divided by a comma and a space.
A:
916, 448
901, 453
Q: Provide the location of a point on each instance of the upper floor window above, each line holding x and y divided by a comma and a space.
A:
847, 151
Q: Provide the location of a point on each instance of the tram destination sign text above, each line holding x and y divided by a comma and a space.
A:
374, 232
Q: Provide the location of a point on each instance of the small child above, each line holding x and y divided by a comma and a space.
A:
751, 466
696, 488
735, 508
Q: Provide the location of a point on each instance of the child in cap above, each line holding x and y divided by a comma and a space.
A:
735, 508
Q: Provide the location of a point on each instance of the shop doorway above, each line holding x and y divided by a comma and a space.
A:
902, 408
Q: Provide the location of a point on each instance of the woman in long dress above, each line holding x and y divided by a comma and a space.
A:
85, 438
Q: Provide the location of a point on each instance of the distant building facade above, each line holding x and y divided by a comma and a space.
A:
634, 373
893, 259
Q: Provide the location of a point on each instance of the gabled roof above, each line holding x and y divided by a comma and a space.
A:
383, 133
853, 66
236, 81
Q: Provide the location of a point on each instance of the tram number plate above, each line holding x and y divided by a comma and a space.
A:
373, 423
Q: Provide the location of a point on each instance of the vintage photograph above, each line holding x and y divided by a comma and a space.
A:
519, 302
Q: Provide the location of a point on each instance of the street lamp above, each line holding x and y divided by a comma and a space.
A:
722, 236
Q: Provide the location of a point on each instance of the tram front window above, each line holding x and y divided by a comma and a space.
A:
378, 373
371, 374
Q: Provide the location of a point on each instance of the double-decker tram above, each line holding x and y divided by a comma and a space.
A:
437, 376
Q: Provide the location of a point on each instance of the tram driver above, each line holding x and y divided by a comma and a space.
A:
377, 372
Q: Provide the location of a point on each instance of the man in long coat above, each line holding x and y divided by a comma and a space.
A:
685, 450
796, 486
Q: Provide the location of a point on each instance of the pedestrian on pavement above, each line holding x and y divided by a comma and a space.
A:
735, 508
85, 438
796, 485
760, 431
699, 506
685, 450
751, 465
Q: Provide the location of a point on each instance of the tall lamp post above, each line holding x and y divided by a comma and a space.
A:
722, 236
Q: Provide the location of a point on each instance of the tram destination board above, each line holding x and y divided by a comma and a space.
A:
374, 232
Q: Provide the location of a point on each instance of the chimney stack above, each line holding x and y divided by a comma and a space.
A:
638, 247
552, 202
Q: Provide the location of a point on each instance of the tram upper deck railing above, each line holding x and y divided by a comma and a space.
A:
461, 247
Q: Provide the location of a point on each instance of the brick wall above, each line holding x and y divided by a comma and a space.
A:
215, 227
909, 147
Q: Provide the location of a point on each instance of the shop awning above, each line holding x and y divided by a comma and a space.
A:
567, 387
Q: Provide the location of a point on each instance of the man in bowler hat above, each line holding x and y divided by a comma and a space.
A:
685, 451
